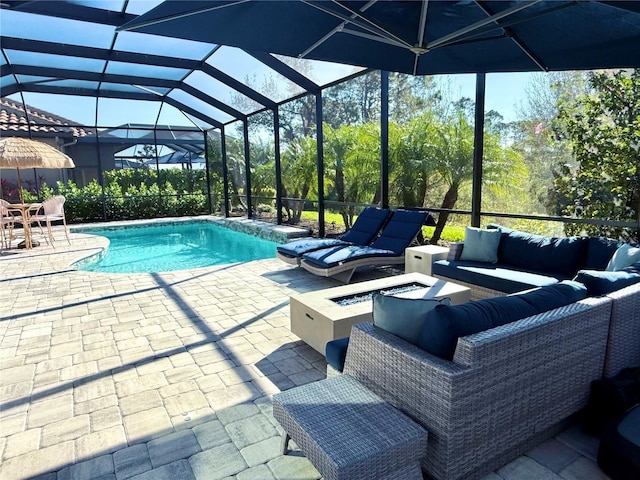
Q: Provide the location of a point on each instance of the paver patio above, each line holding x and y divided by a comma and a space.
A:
167, 375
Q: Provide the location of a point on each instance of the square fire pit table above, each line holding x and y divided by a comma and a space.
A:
324, 315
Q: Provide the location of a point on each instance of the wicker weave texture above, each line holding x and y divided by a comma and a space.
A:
332, 372
504, 387
347, 432
623, 345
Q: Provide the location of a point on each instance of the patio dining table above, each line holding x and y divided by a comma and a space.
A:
22, 213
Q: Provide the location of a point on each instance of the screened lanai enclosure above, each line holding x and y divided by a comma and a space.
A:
254, 109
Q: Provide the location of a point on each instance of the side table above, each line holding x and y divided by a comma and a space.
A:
347, 432
419, 259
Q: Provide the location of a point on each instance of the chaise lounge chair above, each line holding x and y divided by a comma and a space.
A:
363, 231
388, 249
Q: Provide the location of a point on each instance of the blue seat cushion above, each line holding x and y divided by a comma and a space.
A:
445, 324
502, 278
564, 256
336, 352
331, 257
599, 282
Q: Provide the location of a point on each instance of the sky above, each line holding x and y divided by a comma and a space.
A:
503, 93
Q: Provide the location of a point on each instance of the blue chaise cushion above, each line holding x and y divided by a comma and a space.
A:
397, 235
364, 229
366, 226
303, 245
331, 257
445, 324
403, 317
400, 231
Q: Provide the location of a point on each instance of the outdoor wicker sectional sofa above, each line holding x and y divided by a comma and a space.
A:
507, 388
524, 260
503, 389
527, 261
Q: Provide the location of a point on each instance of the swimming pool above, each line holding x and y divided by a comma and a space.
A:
174, 246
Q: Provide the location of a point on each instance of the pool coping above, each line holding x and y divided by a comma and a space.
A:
258, 228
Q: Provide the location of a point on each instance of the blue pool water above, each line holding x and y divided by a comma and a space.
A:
165, 248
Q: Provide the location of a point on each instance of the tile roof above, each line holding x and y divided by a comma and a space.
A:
14, 119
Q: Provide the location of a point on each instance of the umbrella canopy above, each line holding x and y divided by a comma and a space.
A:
418, 37
20, 153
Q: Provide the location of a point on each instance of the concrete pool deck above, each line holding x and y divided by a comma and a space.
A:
167, 375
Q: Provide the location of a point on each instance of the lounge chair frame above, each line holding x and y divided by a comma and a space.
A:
344, 272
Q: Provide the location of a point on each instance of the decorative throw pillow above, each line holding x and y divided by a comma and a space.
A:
480, 245
404, 317
625, 256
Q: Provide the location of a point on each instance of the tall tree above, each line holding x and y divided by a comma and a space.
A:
532, 134
411, 95
354, 101
299, 175
604, 134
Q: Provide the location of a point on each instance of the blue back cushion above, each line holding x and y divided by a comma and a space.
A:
598, 282
445, 324
554, 296
540, 253
366, 226
599, 252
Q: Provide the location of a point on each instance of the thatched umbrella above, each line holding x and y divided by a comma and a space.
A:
20, 153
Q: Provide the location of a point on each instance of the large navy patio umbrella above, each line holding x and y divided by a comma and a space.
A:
418, 37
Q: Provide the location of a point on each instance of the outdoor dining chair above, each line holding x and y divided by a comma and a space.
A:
52, 211
7, 222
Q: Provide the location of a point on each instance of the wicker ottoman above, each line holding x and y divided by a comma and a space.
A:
347, 432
